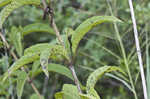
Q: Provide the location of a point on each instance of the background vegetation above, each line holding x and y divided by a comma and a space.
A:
108, 44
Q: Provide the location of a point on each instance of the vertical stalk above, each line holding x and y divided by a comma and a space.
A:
123, 53
45, 85
147, 63
52, 22
138, 49
71, 67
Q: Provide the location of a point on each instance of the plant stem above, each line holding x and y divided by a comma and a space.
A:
45, 85
71, 67
15, 57
147, 62
54, 86
123, 53
53, 23
138, 49
35, 89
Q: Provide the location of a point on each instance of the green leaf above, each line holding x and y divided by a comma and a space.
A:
16, 40
5, 85
37, 27
38, 48
57, 68
70, 92
4, 2
93, 93
35, 67
44, 56
14, 5
35, 96
84, 96
58, 50
55, 50
97, 74
22, 77
87, 25
1, 44
59, 95
60, 69
68, 32
21, 62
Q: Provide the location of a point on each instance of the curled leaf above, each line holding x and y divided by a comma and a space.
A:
14, 5
87, 25
55, 50
38, 48
97, 74
37, 27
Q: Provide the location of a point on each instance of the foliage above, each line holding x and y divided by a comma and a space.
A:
98, 45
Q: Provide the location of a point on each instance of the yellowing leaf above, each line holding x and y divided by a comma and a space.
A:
59, 95
4, 2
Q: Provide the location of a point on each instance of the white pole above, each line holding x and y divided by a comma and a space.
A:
138, 49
